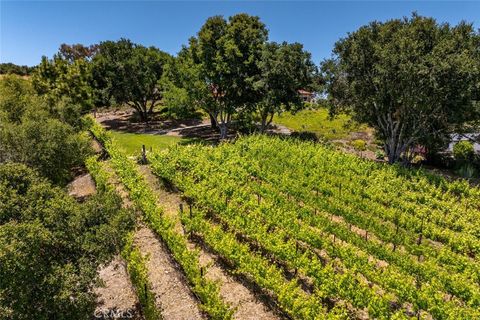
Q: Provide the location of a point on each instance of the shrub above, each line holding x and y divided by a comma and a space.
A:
47, 144
463, 151
51, 246
466, 170
305, 136
15, 96
359, 144
379, 154
177, 104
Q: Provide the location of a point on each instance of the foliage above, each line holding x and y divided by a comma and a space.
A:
51, 246
11, 68
124, 72
359, 144
15, 96
183, 75
76, 51
137, 269
463, 151
305, 135
320, 122
334, 218
465, 157
60, 78
467, 170
136, 263
145, 200
225, 55
413, 80
176, 99
44, 143
43, 134
379, 154
284, 69
177, 104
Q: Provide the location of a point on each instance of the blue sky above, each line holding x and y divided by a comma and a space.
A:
29, 30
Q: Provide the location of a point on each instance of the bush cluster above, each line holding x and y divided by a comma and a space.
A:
51, 245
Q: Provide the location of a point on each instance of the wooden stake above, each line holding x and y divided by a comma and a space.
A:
419, 241
144, 155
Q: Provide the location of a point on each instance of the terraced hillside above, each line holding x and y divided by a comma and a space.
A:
316, 233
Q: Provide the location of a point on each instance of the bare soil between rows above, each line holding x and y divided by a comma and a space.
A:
247, 304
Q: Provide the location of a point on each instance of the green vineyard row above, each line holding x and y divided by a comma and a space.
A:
222, 179
144, 199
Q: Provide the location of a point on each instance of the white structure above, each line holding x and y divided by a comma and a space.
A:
467, 136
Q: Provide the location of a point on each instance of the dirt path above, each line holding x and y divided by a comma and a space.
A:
232, 291
117, 296
124, 121
173, 297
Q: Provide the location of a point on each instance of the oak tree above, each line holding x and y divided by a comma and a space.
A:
125, 72
284, 70
413, 80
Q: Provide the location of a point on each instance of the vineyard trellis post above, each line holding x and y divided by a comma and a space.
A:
144, 155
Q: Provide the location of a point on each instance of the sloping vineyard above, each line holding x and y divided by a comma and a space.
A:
353, 238
144, 199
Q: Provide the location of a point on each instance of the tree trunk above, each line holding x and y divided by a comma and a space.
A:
223, 131
152, 105
397, 139
143, 115
213, 123
263, 125
391, 154
141, 110
394, 150
266, 121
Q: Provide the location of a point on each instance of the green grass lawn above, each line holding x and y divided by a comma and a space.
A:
318, 121
132, 142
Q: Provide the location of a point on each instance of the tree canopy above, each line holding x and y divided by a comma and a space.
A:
128, 73
413, 80
61, 78
11, 68
284, 70
226, 54
230, 69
